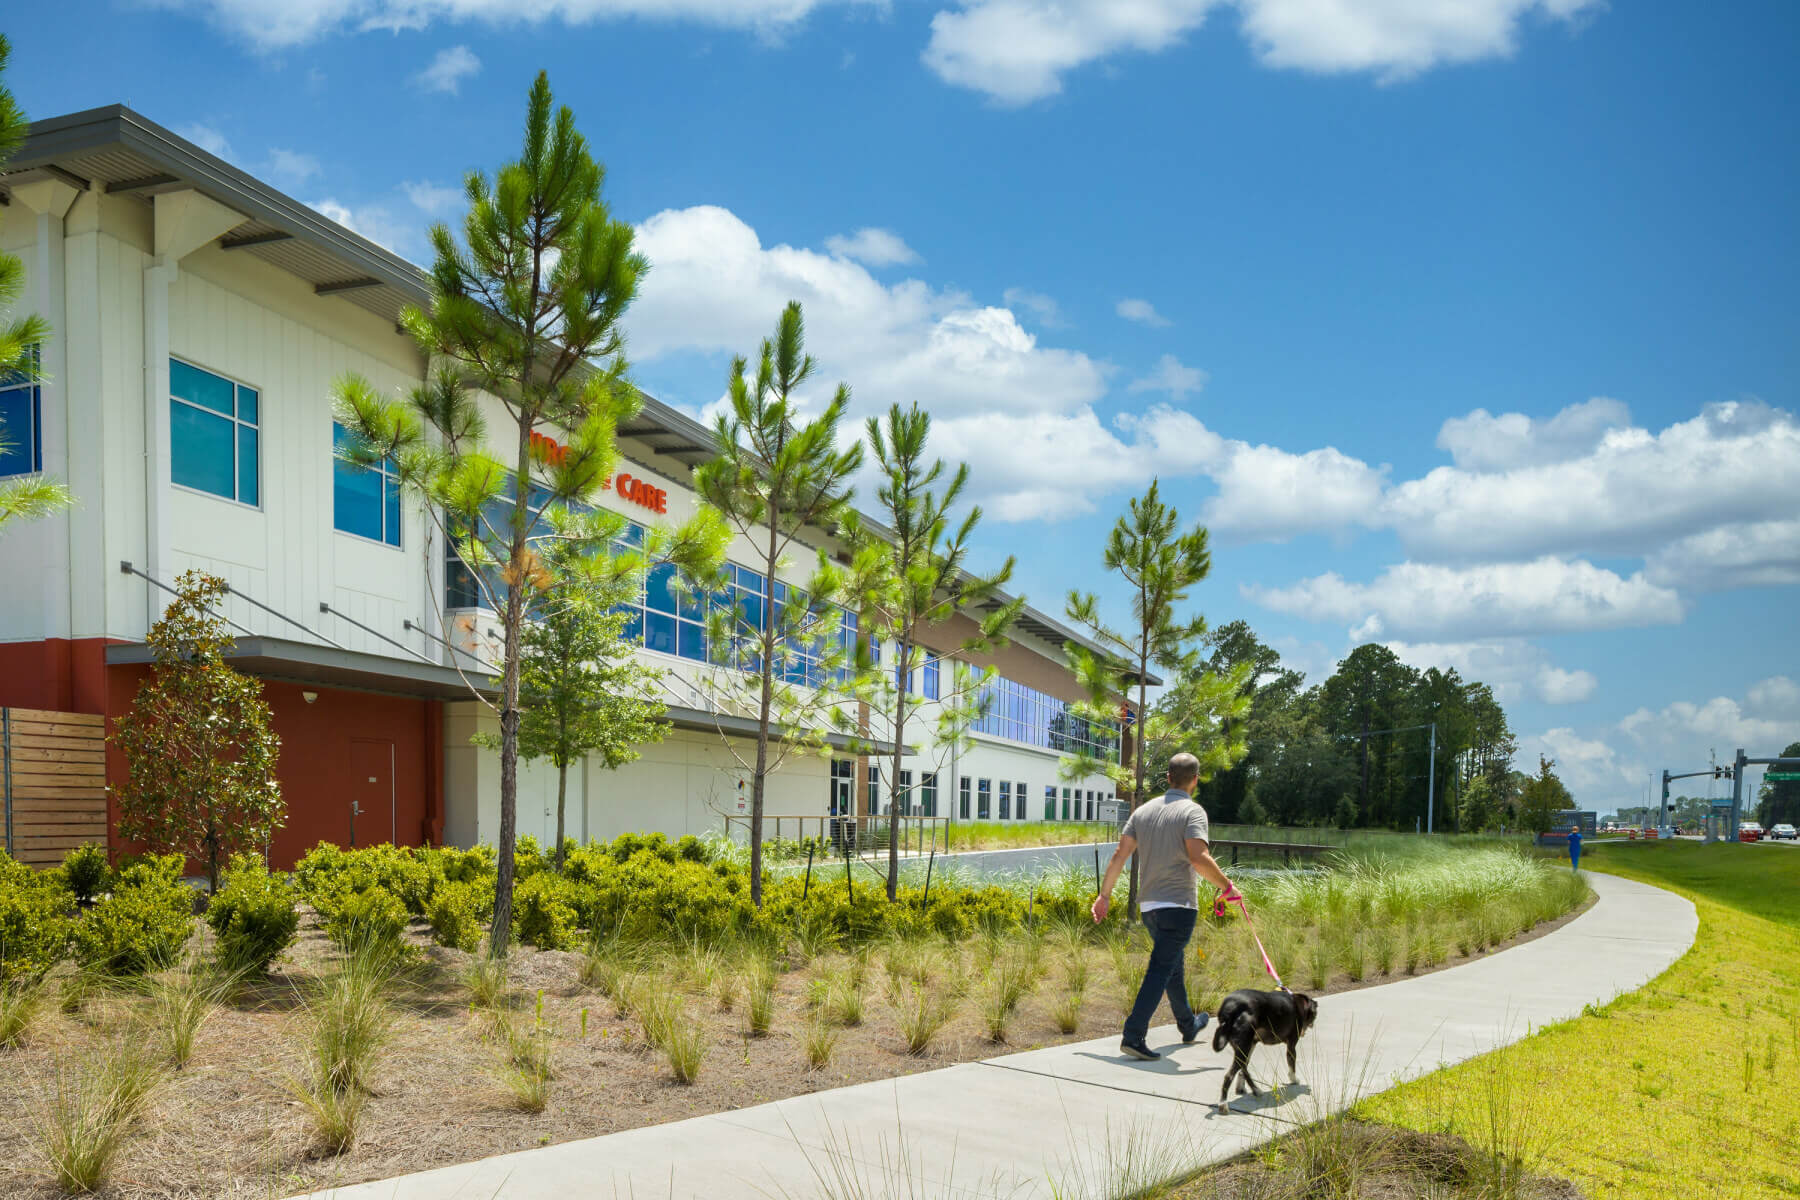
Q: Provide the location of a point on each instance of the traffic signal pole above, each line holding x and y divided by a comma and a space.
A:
1663, 818
1737, 782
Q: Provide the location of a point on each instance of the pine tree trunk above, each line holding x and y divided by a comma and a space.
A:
562, 792
500, 935
893, 877
759, 779
1137, 786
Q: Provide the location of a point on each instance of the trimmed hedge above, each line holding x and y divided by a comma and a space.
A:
34, 921
254, 916
143, 924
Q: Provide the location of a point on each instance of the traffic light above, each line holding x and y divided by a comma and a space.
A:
1728, 771
1718, 772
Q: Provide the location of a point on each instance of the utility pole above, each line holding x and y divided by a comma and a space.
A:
1431, 781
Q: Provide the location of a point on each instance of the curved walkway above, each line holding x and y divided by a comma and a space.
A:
1078, 1120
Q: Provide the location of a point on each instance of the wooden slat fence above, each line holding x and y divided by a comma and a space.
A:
52, 782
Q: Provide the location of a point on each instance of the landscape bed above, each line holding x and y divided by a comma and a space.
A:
591, 1036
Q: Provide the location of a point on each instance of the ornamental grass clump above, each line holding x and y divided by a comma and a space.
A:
85, 1112
761, 1006
821, 1042
180, 1003
526, 1071
923, 1014
21, 1003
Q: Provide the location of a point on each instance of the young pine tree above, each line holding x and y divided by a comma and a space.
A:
521, 310
582, 690
199, 753
1159, 564
779, 653
912, 579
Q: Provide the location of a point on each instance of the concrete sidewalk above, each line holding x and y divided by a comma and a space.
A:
1079, 1120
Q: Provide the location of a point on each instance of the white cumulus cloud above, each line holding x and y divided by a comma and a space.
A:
1043, 308
1428, 601
276, 24
1171, 377
1516, 669
432, 198
290, 168
1143, 312
206, 137
1484, 442
874, 247
448, 69
1018, 51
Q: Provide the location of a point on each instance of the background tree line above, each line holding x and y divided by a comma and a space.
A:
1316, 755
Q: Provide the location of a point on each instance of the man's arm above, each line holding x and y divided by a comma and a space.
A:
1201, 857
1121, 856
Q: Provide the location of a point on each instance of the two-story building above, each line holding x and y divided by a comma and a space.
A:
200, 319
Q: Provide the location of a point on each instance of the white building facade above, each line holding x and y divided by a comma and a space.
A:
200, 319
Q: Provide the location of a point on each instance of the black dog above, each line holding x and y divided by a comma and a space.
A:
1272, 1018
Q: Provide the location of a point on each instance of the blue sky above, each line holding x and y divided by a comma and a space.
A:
1467, 325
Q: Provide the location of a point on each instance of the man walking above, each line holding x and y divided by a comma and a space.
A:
1575, 848
1169, 835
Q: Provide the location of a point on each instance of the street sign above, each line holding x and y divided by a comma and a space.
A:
1780, 776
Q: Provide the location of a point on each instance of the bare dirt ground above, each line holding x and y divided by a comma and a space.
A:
227, 1125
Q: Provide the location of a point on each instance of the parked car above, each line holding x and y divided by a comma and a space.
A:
1749, 831
1784, 833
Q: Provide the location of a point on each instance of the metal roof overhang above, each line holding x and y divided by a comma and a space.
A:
308, 665
119, 151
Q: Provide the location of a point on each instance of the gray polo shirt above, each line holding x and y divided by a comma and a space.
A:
1162, 827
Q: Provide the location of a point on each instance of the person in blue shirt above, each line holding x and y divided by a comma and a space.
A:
1575, 848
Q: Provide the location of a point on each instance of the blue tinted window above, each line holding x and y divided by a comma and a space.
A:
21, 444
202, 388
659, 593
931, 678
214, 439
249, 484
659, 632
366, 500
200, 450
692, 641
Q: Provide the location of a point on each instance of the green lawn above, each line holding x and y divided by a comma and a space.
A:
1688, 1088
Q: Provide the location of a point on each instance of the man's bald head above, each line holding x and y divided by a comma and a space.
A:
1184, 772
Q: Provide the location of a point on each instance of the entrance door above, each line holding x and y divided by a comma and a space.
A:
371, 798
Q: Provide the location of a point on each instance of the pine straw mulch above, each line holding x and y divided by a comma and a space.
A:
227, 1126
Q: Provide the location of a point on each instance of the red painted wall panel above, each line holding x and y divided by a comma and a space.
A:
315, 766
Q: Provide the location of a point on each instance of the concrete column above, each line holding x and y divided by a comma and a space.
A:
45, 274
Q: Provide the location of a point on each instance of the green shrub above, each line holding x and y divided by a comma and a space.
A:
253, 916
544, 912
86, 871
34, 921
330, 871
371, 919
143, 924
455, 916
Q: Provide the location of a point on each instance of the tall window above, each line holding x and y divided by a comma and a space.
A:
1065, 809
365, 501
928, 793
1024, 714
1050, 803
962, 802
214, 434
21, 420
1090, 815
904, 795
874, 790
1005, 800
982, 808
931, 677
1022, 792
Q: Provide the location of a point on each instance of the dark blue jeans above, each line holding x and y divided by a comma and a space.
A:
1170, 929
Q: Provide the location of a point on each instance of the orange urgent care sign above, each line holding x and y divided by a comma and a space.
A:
640, 492
637, 491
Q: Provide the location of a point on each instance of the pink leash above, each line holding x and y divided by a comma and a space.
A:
1267, 965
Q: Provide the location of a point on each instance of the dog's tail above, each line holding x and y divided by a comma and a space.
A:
1219, 1035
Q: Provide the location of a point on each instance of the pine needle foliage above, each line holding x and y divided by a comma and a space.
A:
524, 319
1159, 565
911, 580
778, 651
